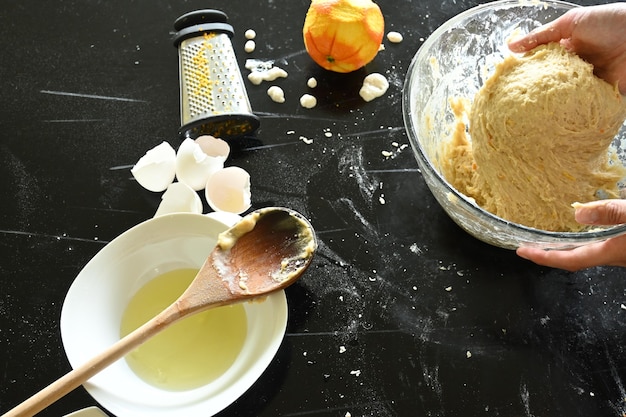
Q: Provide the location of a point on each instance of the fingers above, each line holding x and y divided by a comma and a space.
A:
569, 260
610, 252
558, 30
545, 34
601, 212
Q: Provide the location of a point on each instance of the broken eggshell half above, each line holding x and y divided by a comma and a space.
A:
179, 198
229, 190
197, 160
156, 170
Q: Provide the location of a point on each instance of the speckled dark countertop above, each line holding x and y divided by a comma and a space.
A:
382, 323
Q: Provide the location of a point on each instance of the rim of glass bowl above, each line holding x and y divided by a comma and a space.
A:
408, 109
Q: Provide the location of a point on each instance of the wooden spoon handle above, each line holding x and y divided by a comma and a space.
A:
80, 375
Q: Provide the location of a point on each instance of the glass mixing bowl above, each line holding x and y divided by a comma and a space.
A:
453, 63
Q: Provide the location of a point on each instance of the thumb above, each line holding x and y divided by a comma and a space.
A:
602, 212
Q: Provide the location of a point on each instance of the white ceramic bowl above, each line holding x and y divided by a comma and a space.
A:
87, 412
453, 62
95, 302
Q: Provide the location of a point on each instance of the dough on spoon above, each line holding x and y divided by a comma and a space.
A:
541, 128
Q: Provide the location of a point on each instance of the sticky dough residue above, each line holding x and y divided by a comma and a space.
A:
540, 128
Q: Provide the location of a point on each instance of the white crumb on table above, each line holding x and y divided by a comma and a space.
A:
308, 101
395, 37
276, 94
250, 46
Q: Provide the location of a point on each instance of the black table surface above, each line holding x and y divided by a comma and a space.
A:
89, 86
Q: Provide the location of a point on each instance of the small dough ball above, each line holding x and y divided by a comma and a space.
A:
276, 94
395, 37
374, 86
250, 46
308, 101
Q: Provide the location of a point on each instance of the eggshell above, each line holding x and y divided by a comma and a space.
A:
197, 160
214, 147
229, 190
157, 168
179, 198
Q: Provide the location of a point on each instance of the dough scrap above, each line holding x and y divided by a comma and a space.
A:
541, 128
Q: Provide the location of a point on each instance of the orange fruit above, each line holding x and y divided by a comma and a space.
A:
343, 35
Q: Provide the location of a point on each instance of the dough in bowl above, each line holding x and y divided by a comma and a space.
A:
541, 127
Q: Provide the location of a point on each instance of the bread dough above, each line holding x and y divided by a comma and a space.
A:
541, 128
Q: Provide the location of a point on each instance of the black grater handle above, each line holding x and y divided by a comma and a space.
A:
201, 21
198, 17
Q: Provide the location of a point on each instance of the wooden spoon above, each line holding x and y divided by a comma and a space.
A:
266, 251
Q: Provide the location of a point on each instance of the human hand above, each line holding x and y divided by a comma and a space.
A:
609, 252
596, 33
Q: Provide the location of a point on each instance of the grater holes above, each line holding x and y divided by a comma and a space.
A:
209, 78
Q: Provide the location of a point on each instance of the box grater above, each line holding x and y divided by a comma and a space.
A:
213, 97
